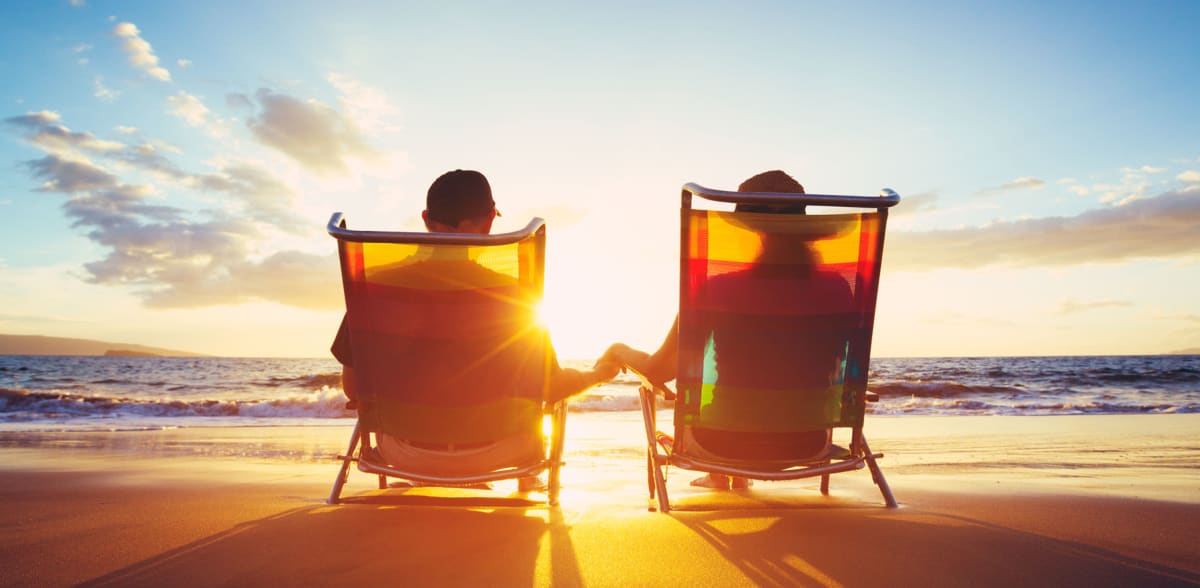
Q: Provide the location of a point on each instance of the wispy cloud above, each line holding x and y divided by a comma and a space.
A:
183, 63
1145, 169
368, 107
82, 50
103, 92
44, 131
1180, 318
141, 54
312, 133
916, 203
189, 108
69, 176
1072, 306
193, 111
1022, 183
1166, 225
1189, 177
37, 320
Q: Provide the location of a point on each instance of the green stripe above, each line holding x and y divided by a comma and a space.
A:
767, 410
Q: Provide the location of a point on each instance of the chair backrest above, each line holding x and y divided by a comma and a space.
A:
443, 331
776, 312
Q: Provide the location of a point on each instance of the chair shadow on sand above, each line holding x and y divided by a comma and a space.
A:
416, 538
821, 544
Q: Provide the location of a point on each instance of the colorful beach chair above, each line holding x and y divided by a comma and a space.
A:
776, 313
448, 355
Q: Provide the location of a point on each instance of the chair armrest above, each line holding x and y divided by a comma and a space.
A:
659, 388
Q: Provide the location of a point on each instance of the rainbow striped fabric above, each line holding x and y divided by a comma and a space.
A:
445, 340
776, 314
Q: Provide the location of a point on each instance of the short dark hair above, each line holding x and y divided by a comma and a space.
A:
459, 195
771, 181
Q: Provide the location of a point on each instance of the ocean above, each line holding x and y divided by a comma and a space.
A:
81, 393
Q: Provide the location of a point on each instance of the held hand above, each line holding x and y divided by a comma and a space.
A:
638, 361
614, 354
606, 370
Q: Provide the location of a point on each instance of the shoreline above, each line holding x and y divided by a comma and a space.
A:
994, 501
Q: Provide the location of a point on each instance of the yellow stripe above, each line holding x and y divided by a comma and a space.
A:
445, 267
738, 237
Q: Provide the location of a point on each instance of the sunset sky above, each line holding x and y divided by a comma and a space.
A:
167, 168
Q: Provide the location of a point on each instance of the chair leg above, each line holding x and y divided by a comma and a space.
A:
825, 484
382, 482
877, 477
660, 484
344, 472
558, 436
650, 474
554, 484
654, 473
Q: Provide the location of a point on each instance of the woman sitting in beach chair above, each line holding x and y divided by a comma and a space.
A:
771, 346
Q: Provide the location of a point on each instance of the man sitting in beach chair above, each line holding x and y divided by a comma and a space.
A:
441, 352
771, 346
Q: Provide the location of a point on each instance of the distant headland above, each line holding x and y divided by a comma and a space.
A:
40, 345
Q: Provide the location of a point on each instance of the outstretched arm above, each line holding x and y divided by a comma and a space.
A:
658, 367
569, 381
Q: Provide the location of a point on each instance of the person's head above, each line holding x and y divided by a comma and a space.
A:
771, 181
460, 201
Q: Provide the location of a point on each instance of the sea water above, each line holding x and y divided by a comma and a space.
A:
52, 393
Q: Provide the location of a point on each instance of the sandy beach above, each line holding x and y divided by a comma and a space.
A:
992, 501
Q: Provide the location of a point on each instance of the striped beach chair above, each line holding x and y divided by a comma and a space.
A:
447, 353
776, 313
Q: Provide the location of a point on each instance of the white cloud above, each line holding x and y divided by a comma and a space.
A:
1134, 185
193, 111
1024, 182
1080, 190
141, 54
368, 107
173, 256
189, 108
310, 132
40, 117
103, 92
45, 132
1189, 177
69, 176
124, 130
1162, 226
183, 63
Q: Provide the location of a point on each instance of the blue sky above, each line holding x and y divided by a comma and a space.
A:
166, 169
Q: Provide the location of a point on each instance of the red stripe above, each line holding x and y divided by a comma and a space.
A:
752, 292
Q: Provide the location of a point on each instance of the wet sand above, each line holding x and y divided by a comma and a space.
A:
993, 501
